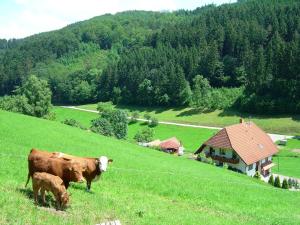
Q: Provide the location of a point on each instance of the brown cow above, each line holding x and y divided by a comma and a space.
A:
48, 182
68, 170
93, 167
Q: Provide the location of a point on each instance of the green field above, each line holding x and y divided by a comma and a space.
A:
285, 124
191, 138
288, 159
140, 187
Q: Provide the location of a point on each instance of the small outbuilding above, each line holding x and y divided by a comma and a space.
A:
172, 145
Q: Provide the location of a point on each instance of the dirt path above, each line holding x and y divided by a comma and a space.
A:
274, 137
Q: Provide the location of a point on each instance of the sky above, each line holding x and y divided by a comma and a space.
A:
22, 18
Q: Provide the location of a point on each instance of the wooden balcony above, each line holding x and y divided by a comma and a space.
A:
223, 159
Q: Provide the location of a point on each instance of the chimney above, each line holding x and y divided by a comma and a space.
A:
241, 120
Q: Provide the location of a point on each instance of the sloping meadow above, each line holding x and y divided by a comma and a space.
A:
141, 186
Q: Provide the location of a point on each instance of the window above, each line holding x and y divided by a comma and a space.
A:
250, 167
234, 155
222, 152
212, 151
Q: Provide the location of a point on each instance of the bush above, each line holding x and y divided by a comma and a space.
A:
50, 116
290, 182
257, 175
134, 117
16, 103
285, 184
111, 123
118, 120
144, 135
102, 126
73, 123
271, 180
147, 116
153, 122
38, 96
105, 106
277, 182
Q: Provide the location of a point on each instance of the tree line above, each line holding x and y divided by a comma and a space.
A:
244, 55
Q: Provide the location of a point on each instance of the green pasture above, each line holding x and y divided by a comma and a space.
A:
288, 160
191, 137
283, 124
140, 187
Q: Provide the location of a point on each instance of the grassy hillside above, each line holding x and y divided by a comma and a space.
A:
285, 124
190, 137
140, 187
287, 160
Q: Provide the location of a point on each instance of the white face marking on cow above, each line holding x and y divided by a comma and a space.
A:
103, 161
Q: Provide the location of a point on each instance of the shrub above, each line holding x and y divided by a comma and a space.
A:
102, 126
50, 116
118, 120
290, 182
271, 180
38, 96
144, 135
153, 122
105, 106
257, 175
111, 123
285, 184
147, 116
134, 117
277, 182
73, 123
296, 185
16, 103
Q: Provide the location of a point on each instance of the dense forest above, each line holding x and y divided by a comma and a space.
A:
244, 55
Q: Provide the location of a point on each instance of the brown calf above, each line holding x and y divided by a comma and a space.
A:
68, 170
48, 182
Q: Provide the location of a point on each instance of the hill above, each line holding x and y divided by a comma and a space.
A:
140, 187
247, 52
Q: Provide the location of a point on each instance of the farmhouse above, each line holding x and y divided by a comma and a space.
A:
244, 147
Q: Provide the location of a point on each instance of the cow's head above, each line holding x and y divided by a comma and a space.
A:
76, 171
64, 199
103, 162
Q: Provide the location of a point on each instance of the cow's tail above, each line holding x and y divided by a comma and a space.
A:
28, 178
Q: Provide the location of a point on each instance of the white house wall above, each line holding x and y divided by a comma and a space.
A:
241, 166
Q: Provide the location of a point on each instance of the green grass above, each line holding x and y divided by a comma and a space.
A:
191, 138
285, 124
288, 161
140, 187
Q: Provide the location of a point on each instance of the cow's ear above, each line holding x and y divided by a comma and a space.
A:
110, 161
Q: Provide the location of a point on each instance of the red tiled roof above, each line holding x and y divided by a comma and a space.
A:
246, 139
171, 143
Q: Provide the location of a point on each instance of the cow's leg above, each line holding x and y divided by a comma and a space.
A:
35, 191
88, 185
43, 195
66, 183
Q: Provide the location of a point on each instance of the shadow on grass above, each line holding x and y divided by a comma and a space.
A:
81, 187
296, 118
194, 111
28, 193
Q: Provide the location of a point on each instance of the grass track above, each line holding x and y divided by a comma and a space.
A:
140, 187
